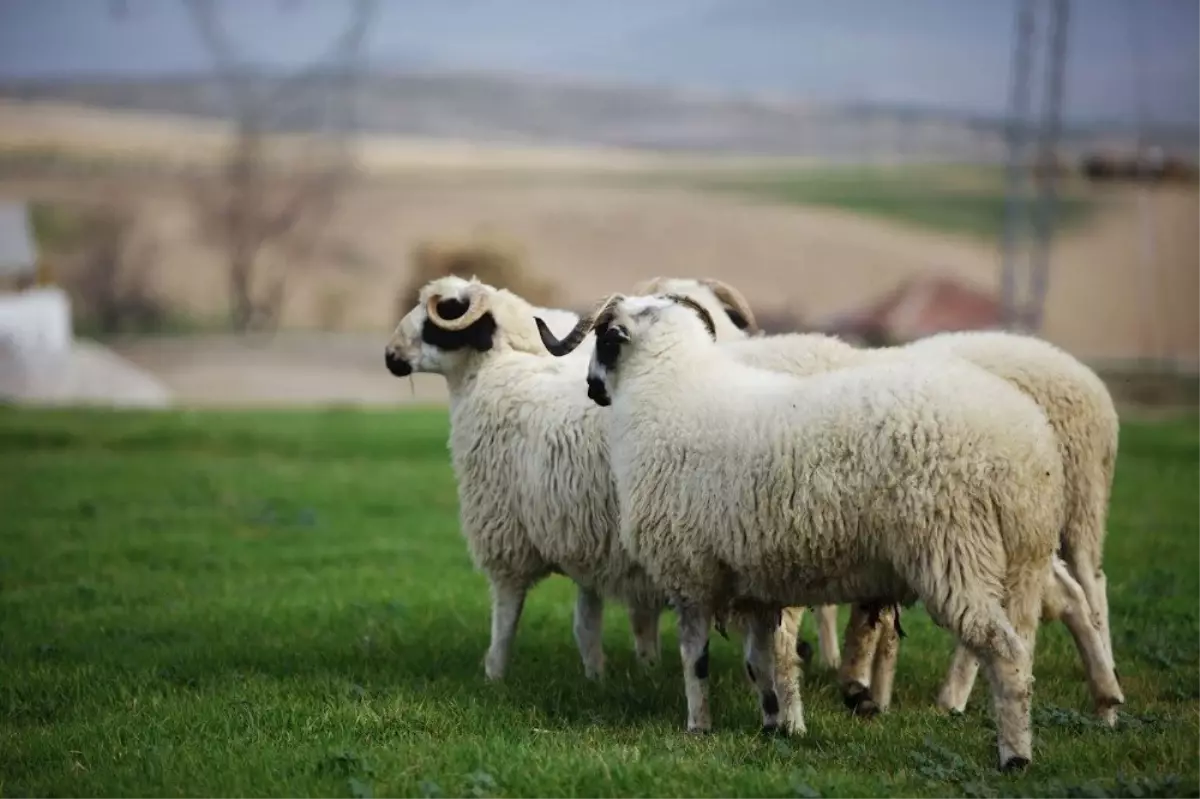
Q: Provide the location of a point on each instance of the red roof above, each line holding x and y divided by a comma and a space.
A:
923, 306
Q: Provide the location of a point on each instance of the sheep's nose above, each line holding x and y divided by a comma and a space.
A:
597, 393
397, 365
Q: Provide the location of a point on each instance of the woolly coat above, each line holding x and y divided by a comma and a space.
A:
859, 484
1075, 401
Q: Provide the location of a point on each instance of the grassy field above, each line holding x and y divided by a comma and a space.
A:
281, 604
965, 200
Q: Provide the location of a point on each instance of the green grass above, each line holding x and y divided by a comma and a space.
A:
281, 604
966, 201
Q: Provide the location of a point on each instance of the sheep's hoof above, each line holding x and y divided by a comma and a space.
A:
1014, 764
699, 731
858, 699
867, 709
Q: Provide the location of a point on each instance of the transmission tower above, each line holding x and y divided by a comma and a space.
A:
1025, 271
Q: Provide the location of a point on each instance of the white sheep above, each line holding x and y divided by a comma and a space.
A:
535, 490
527, 460
925, 480
734, 320
1080, 410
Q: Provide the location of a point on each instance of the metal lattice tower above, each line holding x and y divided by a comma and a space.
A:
1025, 271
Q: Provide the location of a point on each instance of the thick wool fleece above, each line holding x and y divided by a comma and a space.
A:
1080, 411
858, 484
534, 486
1074, 400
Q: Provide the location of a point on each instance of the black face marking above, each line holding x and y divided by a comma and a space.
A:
477, 336
597, 393
739, 321
702, 664
770, 703
609, 338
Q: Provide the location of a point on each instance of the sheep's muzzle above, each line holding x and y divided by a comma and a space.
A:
397, 365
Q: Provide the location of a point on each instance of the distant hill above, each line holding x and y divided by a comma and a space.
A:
538, 111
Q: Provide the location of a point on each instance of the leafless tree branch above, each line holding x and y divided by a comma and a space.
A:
255, 204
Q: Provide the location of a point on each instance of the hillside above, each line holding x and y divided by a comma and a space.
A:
539, 111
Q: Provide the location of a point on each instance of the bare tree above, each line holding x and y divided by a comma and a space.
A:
267, 196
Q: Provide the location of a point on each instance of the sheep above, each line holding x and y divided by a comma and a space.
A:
1078, 407
893, 482
530, 501
734, 320
535, 489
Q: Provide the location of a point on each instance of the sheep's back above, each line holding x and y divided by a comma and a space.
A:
857, 468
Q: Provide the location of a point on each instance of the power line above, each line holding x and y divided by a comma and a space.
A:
1047, 207
1024, 309
1018, 109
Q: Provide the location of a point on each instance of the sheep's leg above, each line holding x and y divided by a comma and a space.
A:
694, 623
960, 679
507, 602
788, 670
1093, 582
1100, 589
589, 627
1008, 665
854, 675
760, 658
887, 652
827, 636
794, 617
646, 642
1064, 599
1003, 639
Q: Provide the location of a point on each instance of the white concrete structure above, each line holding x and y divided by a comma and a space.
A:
40, 361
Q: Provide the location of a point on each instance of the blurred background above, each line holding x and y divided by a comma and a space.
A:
208, 202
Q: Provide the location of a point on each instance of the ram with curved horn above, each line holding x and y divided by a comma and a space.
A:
534, 488
588, 322
453, 323
732, 301
736, 306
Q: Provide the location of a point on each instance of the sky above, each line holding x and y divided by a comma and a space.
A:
947, 53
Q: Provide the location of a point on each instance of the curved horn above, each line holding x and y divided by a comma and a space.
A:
651, 286
475, 309
700, 311
733, 300
573, 339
